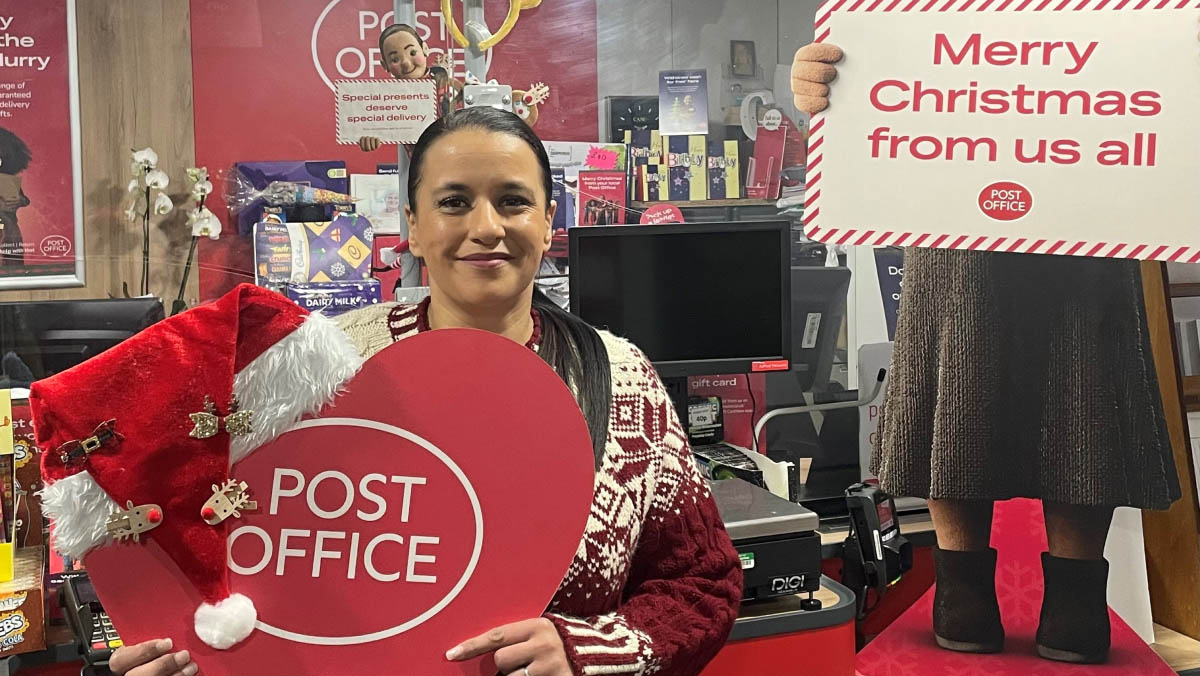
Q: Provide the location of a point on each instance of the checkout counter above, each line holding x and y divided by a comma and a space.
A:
794, 619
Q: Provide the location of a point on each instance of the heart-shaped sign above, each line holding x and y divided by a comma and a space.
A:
442, 494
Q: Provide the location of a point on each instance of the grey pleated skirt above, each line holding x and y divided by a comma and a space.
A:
1020, 375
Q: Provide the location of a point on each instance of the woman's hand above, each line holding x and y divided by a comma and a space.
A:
812, 71
368, 143
152, 658
531, 647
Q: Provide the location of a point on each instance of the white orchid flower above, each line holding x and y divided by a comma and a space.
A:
163, 205
197, 174
158, 179
202, 188
133, 187
132, 212
146, 157
204, 223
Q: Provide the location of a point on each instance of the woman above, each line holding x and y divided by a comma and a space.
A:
655, 585
1017, 375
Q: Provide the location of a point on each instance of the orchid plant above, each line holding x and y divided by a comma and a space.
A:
204, 223
147, 187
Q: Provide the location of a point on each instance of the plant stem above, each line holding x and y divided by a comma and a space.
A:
146, 246
179, 305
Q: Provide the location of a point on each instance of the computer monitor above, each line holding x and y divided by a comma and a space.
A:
698, 299
52, 336
818, 311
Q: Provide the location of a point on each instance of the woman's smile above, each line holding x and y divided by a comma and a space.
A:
486, 261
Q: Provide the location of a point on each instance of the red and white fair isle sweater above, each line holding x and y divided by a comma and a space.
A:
655, 584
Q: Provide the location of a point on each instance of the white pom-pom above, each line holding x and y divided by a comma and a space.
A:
226, 623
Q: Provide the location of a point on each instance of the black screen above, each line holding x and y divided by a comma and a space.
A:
686, 293
51, 336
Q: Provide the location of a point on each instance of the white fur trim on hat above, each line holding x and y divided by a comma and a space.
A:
294, 377
79, 508
227, 622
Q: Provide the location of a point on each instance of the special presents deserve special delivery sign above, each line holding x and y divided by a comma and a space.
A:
1036, 126
442, 494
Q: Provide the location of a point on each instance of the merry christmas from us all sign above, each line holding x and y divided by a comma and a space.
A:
1035, 126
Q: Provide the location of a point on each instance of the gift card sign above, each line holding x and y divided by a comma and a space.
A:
443, 494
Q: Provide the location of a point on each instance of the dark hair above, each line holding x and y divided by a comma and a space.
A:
570, 345
14, 154
397, 28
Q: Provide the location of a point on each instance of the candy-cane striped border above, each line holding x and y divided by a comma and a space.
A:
337, 106
860, 237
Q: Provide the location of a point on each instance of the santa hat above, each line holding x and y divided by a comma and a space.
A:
136, 438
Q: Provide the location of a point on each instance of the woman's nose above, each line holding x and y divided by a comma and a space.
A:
484, 223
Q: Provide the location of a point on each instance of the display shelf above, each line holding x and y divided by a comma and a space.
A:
1186, 289
642, 206
1191, 393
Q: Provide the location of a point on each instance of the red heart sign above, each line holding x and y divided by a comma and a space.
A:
443, 494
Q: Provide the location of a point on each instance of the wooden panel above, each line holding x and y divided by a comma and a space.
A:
1178, 651
1172, 536
135, 90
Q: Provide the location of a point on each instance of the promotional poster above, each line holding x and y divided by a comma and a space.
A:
41, 218
1072, 134
683, 102
261, 64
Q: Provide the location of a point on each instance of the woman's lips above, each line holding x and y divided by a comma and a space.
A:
486, 261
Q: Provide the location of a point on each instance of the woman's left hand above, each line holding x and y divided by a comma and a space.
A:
532, 648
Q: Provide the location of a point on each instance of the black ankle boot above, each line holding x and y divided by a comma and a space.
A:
966, 616
1074, 624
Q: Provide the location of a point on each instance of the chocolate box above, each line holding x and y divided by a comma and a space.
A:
326, 251
334, 298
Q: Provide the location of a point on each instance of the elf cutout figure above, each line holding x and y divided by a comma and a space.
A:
139, 440
405, 55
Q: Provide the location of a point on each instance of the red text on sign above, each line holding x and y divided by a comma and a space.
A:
1004, 53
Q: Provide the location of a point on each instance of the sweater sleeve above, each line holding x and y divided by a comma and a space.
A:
685, 583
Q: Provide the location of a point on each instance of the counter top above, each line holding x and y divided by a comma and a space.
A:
782, 615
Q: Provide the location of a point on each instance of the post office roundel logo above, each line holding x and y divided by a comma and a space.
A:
374, 536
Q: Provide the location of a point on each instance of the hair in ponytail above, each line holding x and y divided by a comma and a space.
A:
575, 350
569, 345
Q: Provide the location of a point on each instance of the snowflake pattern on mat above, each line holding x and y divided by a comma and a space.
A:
369, 235
338, 269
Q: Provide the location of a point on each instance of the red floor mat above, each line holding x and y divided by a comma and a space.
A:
906, 648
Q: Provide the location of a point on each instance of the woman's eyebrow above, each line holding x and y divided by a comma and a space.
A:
452, 187
514, 185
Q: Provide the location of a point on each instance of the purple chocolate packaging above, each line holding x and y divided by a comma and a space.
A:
334, 298
327, 174
326, 251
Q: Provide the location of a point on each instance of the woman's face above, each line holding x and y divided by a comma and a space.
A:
404, 57
482, 222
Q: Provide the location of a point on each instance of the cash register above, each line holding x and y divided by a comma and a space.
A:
776, 540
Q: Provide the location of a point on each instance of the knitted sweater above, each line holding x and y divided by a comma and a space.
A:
655, 585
